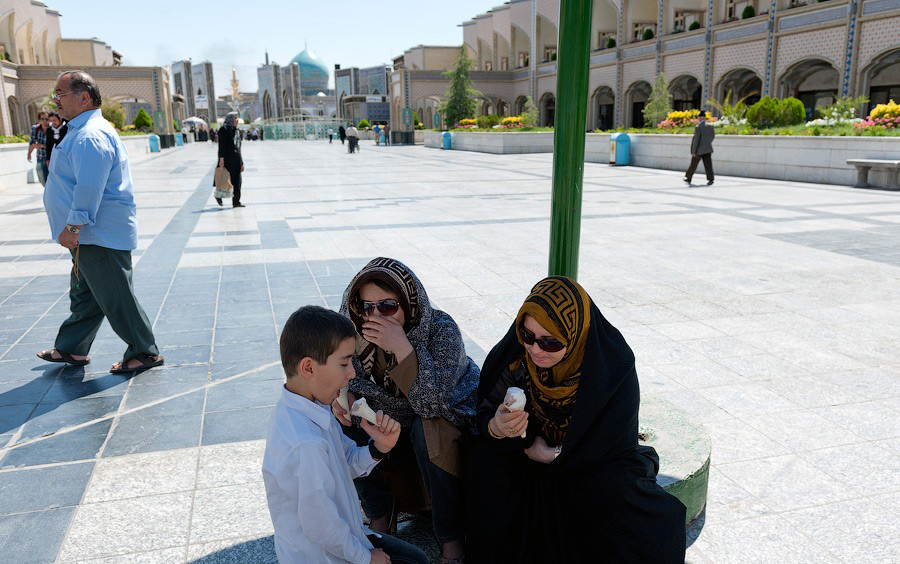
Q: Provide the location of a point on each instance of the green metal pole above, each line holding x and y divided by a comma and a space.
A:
573, 56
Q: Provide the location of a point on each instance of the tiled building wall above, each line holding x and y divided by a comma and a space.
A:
602, 76
826, 44
876, 37
502, 20
638, 70
550, 10
684, 63
750, 55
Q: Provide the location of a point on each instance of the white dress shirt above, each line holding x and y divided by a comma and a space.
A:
308, 470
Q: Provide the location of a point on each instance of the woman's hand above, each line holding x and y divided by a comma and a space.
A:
540, 452
508, 424
221, 162
387, 334
340, 413
242, 167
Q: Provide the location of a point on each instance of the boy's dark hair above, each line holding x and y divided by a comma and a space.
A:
315, 332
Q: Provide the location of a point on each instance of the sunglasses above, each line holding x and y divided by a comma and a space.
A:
385, 307
546, 344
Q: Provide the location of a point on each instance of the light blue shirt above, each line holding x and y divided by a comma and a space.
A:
90, 184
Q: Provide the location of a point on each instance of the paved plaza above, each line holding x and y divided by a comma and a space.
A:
769, 311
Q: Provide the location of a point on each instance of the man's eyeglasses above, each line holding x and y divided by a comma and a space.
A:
385, 307
56, 96
546, 344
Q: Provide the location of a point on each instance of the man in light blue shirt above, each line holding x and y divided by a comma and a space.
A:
89, 199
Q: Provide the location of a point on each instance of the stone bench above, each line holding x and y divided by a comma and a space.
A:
864, 165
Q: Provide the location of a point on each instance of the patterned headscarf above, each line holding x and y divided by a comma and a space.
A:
231, 119
562, 307
396, 276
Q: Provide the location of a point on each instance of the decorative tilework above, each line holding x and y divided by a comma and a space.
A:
604, 58
742, 31
545, 84
681, 43
659, 27
546, 69
875, 6
813, 17
685, 63
708, 66
620, 23
770, 46
851, 47
826, 44
549, 9
641, 51
875, 38
637, 70
741, 55
502, 19
602, 76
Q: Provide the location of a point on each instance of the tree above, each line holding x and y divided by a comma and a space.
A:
114, 114
461, 97
659, 104
529, 113
729, 109
142, 120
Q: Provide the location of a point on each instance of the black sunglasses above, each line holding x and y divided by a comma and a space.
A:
385, 307
546, 344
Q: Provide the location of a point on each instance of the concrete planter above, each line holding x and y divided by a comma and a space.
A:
799, 159
16, 170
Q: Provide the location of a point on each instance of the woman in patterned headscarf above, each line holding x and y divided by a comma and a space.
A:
578, 487
411, 362
230, 156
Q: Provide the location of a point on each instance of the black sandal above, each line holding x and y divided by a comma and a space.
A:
64, 357
147, 361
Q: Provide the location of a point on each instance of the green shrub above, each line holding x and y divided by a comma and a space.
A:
764, 113
142, 120
365, 123
488, 121
748, 12
530, 113
114, 114
694, 25
648, 34
791, 112
610, 42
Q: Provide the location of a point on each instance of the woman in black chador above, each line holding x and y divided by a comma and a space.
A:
578, 488
230, 156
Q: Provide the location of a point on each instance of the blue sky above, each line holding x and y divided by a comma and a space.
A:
347, 32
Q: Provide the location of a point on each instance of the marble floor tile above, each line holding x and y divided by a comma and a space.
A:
148, 474
230, 464
802, 431
228, 512
33, 537
126, 526
39, 489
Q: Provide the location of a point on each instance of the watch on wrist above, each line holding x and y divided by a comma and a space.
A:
377, 454
74, 229
557, 451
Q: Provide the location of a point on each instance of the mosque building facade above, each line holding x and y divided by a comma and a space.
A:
299, 88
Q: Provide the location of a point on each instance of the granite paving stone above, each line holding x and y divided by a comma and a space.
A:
768, 311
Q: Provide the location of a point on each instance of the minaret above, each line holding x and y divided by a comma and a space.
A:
235, 90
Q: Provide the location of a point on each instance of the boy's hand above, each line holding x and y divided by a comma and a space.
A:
385, 434
379, 557
340, 413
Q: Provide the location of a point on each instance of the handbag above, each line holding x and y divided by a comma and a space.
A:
222, 182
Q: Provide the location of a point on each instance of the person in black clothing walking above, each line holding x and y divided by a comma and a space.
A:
230, 156
342, 133
701, 148
58, 129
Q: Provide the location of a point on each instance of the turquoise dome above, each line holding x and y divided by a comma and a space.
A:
311, 66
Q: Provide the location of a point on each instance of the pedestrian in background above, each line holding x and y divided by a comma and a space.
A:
353, 137
58, 130
342, 133
377, 134
230, 156
90, 205
387, 134
701, 148
330, 135
39, 141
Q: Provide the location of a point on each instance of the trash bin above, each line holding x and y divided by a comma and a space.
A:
448, 140
154, 143
619, 149
179, 140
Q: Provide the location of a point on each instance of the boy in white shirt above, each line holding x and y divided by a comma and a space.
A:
309, 464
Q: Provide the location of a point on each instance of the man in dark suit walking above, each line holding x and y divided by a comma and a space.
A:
701, 148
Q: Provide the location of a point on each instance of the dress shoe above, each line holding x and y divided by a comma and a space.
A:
710, 183
239, 205
219, 201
